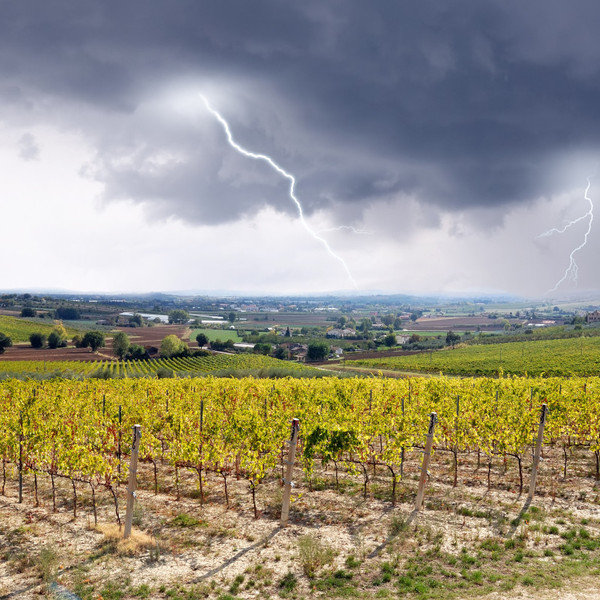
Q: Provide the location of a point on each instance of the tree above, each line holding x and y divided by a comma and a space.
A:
262, 349
5, 342
231, 317
136, 320
414, 316
342, 321
77, 341
221, 345
67, 313
28, 312
55, 340
397, 324
452, 338
58, 336
136, 352
121, 344
37, 340
388, 319
179, 316
317, 351
93, 340
390, 340
202, 339
365, 324
281, 353
171, 345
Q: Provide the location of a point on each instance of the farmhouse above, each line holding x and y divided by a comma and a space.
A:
593, 317
341, 333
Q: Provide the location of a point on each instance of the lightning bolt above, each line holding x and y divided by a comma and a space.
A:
571, 272
285, 174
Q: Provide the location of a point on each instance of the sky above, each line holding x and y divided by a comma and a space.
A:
431, 145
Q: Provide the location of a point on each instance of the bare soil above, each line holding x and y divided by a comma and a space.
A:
467, 541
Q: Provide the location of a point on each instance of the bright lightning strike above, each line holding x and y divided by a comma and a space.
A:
285, 174
572, 270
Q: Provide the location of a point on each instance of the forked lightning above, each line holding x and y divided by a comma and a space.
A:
283, 173
571, 271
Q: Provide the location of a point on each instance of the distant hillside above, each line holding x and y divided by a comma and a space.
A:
19, 330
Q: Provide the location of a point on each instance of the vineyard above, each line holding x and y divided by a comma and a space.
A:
182, 366
563, 357
213, 442
75, 429
19, 330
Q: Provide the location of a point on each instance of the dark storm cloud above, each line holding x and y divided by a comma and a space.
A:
458, 104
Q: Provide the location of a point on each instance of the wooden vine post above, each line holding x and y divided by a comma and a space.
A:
21, 458
287, 482
132, 483
538, 450
426, 458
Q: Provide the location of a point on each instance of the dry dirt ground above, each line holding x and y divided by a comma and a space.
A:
467, 541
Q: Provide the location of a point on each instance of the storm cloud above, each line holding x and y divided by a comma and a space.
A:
460, 105
428, 116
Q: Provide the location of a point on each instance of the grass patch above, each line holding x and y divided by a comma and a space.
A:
313, 554
185, 520
114, 542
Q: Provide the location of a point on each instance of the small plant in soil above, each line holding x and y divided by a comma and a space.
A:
185, 520
287, 584
313, 554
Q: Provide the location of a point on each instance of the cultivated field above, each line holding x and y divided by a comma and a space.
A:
144, 336
19, 330
574, 356
213, 453
215, 334
182, 366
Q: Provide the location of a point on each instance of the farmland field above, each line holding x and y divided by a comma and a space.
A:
574, 356
212, 456
149, 368
19, 329
216, 334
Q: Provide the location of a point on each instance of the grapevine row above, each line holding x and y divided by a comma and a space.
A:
80, 429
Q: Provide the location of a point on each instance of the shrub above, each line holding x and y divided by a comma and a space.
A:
68, 314
55, 340
221, 345
171, 346
5, 342
136, 352
288, 583
165, 373
93, 340
37, 340
313, 554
